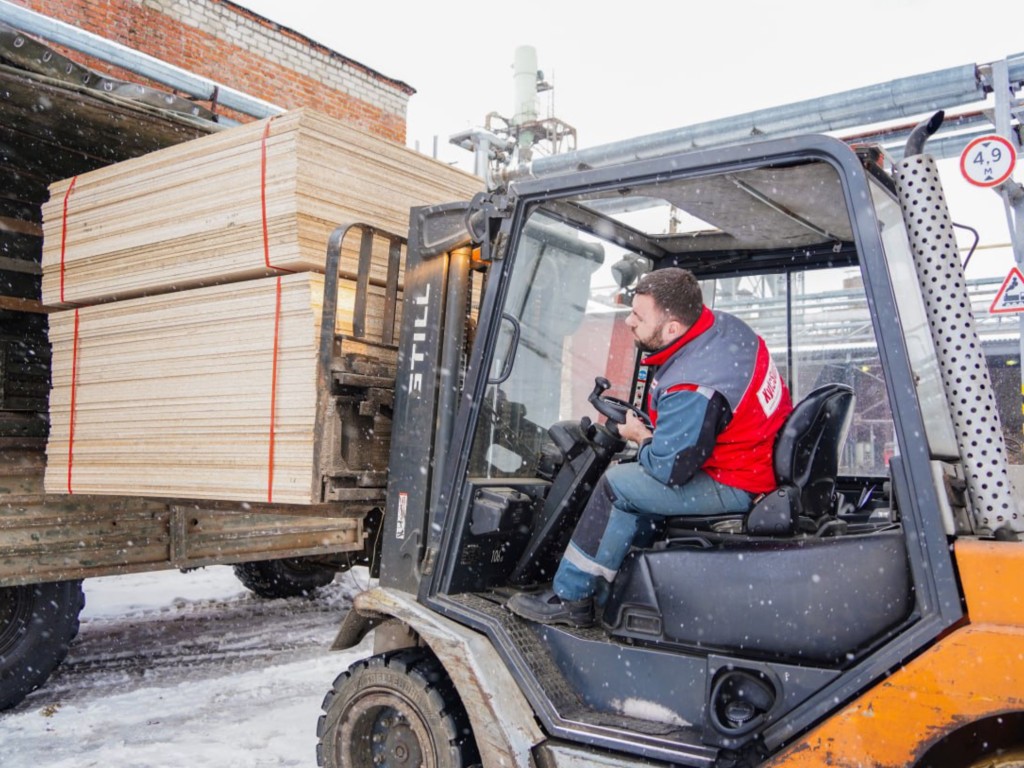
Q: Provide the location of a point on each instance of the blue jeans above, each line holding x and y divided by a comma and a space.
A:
624, 510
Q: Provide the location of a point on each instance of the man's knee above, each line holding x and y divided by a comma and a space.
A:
619, 475
628, 483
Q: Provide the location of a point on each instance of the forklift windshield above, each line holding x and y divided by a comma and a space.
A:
768, 246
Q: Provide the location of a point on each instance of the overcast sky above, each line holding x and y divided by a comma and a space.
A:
622, 69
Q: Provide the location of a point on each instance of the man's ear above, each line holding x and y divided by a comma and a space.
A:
672, 330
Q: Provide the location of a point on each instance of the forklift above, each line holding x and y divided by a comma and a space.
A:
864, 613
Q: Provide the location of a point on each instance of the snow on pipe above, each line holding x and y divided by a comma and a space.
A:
901, 98
127, 58
965, 377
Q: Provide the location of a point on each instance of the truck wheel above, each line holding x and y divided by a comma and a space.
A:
37, 623
395, 709
291, 577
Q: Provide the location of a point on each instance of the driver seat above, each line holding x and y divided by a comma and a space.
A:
806, 463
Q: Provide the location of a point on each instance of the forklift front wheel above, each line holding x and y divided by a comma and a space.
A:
395, 709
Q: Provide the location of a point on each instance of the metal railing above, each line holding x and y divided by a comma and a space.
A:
840, 318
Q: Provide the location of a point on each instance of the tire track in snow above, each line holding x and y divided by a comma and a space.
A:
174, 644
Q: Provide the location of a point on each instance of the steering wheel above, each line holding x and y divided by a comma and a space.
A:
614, 408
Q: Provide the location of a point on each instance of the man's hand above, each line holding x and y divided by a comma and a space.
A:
634, 429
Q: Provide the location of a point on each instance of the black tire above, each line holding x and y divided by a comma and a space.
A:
37, 624
392, 711
291, 577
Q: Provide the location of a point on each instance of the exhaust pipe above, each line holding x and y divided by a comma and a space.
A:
965, 377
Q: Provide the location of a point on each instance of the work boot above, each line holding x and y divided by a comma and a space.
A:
548, 608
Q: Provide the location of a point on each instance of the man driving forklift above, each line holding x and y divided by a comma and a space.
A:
715, 406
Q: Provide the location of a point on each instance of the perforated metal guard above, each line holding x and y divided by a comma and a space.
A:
965, 377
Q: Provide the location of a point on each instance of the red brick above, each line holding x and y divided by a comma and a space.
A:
130, 23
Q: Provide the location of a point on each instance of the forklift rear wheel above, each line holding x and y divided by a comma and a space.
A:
1014, 759
992, 742
290, 577
395, 709
37, 624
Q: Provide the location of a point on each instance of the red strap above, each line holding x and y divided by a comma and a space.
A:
263, 192
64, 234
273, 395
71, 416
277, 311
262, 199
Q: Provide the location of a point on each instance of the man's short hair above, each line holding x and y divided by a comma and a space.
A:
676, 291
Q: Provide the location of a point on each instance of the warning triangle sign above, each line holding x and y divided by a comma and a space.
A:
1010, 297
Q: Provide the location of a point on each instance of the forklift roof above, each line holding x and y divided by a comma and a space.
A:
770, 208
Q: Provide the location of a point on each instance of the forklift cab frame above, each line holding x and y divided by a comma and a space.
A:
805, 241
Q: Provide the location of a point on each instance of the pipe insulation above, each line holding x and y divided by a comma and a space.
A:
965, 377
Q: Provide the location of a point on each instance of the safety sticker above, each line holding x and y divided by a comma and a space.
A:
1010, 297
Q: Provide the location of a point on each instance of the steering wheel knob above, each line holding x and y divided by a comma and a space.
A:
613, 408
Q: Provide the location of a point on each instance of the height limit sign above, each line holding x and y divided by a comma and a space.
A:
988, 161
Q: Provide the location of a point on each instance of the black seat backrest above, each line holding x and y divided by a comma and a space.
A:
806, 462
808, 447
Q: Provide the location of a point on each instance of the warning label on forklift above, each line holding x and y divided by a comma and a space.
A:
1010, 296
403, 505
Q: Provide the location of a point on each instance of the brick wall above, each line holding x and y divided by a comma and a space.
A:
240, 49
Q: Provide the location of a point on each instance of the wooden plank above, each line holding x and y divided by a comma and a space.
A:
20, 265
20, 226
24, 305
214, 535
96, 540
59, 540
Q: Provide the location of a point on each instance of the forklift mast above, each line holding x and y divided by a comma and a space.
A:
433, 342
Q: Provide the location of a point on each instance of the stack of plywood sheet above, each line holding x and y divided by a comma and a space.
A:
256, 200
185, 359
206, 394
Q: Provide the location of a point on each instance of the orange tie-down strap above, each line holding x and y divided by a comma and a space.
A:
64, 233
71, 413
263, 197
273, 393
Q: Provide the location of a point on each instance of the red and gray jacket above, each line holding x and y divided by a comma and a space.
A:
717, 402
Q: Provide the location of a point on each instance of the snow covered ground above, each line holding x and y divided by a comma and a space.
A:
178, 669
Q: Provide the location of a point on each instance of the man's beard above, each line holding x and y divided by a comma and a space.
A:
652, 343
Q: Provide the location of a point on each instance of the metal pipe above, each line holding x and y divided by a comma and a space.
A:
961, 358
921, 133
526, 108
905, 97
140, 63
940, 146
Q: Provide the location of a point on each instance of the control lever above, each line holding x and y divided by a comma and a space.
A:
613, 408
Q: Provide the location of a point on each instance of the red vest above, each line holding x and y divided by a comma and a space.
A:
722, 354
